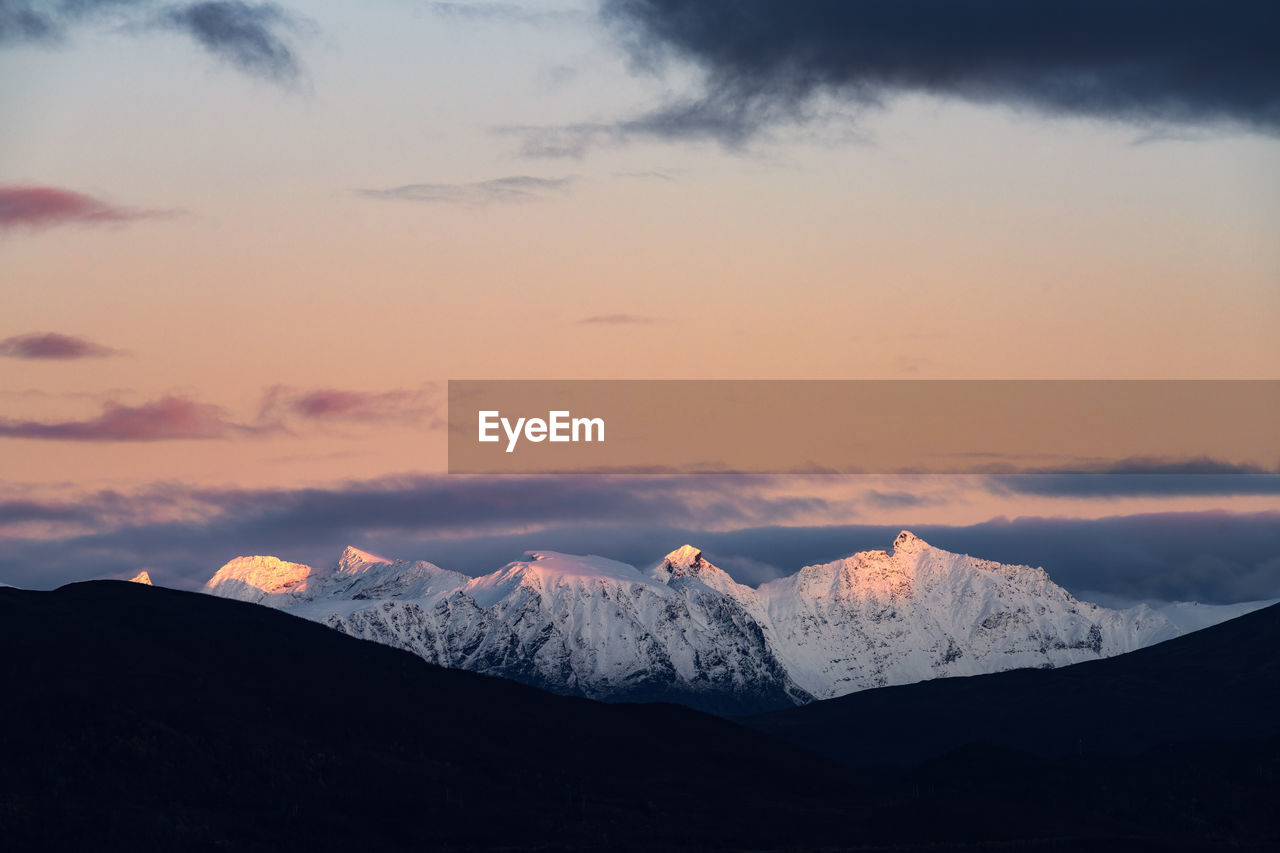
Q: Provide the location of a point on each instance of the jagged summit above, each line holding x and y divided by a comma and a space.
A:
252, 578
142, 577
909, 543
354, 560
685, 559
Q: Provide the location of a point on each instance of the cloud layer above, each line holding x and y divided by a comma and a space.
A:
475, 524
1145, 61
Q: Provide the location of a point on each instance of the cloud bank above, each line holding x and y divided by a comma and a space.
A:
747, 524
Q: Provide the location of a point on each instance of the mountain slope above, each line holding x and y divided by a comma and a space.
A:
685, 631
1218, 684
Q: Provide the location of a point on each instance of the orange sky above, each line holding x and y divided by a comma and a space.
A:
923, 239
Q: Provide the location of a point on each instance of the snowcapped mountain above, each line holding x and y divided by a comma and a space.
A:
581, 625
686, 631
918, 612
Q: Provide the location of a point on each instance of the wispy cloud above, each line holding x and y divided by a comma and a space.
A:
35, 206
515, 188
652, 175
167, 419
618, 320
254, 38
413, 407
51, 345
732, 120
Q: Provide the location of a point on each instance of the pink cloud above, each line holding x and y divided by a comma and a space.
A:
169, 418
333, 405
51, 345
32, 206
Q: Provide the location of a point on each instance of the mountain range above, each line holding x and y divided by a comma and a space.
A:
684, 630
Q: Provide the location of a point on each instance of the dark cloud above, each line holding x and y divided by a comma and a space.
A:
1150, 62
413, 407
166, 419
618, 320
515, 188
252, 37
51, 345
34, 206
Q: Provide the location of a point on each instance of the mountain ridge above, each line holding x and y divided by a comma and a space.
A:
686, 631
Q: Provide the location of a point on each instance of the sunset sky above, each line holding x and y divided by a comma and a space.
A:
243, 246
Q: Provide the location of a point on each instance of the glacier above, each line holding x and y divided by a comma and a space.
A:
686, 631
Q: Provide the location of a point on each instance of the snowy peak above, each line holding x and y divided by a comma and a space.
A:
684, 560
254, 578
908, 543
354, 561
142, 577
553, 564
687, 564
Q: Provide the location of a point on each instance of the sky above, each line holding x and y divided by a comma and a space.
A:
243, 246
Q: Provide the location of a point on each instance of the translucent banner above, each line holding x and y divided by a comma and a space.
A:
855, 426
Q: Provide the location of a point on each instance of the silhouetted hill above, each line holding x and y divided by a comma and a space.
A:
140, 718
136, 716
1221, 683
